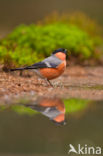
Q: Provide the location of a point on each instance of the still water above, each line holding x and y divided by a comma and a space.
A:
24, 131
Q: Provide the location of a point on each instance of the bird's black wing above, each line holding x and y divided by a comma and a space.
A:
37, 65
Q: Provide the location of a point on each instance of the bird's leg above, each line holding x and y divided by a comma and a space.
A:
49, 82
21, 73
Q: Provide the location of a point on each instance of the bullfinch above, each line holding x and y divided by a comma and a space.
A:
51, 67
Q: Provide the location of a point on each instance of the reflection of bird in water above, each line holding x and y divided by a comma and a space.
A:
53, 108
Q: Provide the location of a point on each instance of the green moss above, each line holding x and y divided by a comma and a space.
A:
78, 19
2, 107
23, 110
74, 105
96, 87
29, 44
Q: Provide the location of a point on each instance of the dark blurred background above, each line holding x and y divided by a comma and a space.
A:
15, 12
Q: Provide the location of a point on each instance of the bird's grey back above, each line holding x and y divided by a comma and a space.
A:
52, 61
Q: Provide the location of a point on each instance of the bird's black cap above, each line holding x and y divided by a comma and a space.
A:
60, 50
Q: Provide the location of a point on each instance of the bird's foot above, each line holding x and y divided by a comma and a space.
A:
55, 85
58, 84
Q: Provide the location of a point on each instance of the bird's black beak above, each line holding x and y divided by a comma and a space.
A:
68, 53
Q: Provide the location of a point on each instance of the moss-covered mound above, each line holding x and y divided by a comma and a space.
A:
29, 44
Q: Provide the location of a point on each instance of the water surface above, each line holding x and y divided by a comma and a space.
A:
22, 133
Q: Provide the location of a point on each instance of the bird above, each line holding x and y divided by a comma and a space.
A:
51, 107
51, 67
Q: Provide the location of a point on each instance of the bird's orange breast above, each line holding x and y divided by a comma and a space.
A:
51, 73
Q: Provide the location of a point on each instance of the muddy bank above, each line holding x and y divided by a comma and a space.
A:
76, 82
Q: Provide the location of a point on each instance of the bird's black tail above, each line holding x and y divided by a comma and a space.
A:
24, 68
18, 69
